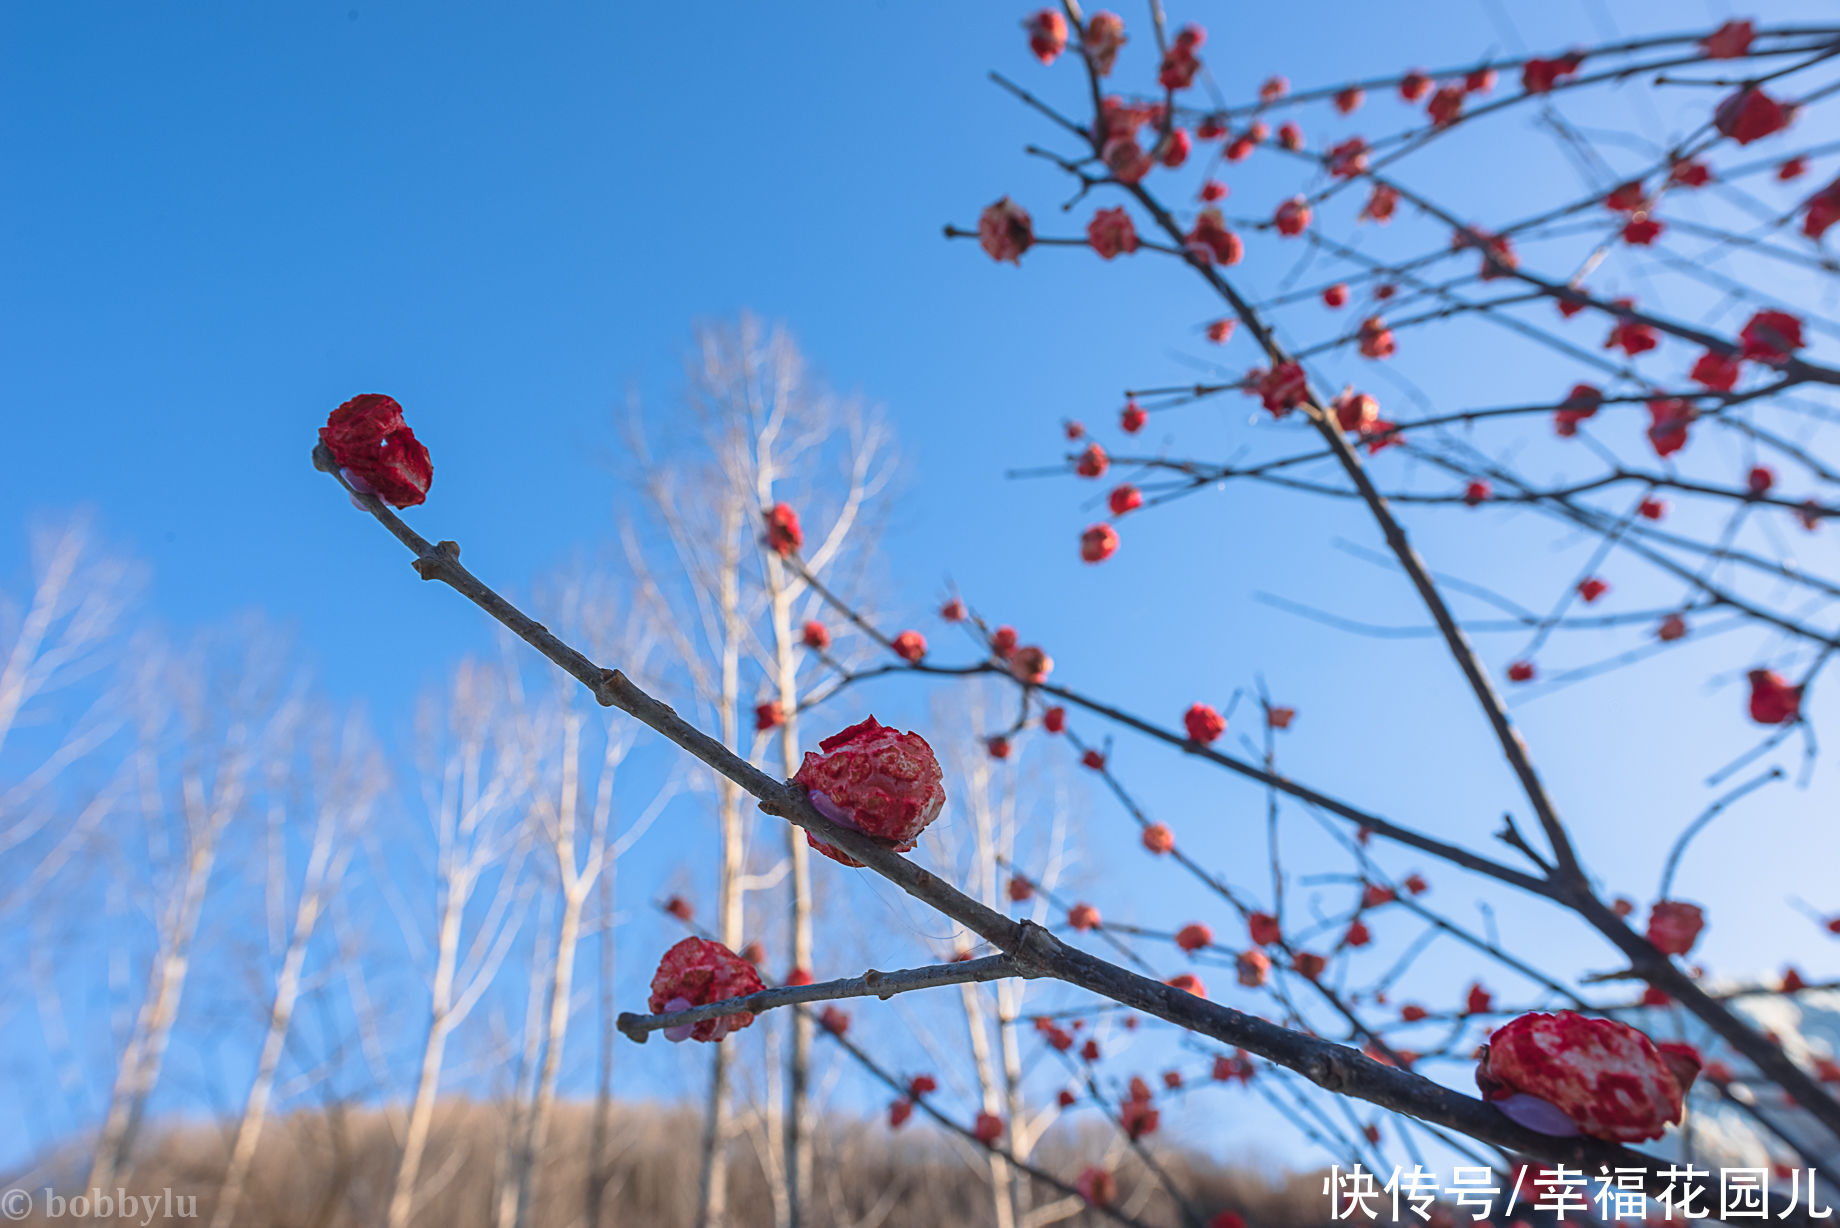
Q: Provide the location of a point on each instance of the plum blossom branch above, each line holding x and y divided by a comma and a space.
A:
871, 984
1334, 1067
1567, 883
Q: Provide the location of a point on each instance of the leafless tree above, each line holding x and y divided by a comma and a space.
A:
476, 782
344, 776
207, 720
572, 810
765, 429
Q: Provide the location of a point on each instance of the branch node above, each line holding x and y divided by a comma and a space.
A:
1327, 1071
430, 566
1034, 950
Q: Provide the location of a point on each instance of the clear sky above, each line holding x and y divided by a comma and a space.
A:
220, 221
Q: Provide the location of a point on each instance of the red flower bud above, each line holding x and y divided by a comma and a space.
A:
1005, 231
998, 747
1416, 884
1773, 700
1031, 665
1003, 642
1210, 241
1729, 42
1094, 760
1604, 1079
1103, 36
1674, 926
1054, 720
1672, 628
1411, 1013
1159, 839
1347, 159
784, 536
1098, 543
1292, 217
987, 1129
1771, 337
1715, 370
1194, 936
1627, 197
377, 451
1203, 723
1521, 671
817, 636
1642, 231
768, 716
1066, 1099
1097, 1186
883, 783
1336, 295
899, 1112
1283, 388
1020, 889
1592, 588
1172, 150
1263, 927
1309, 964
1357, 935
1538, 76
1111, 233
1376, 339
1381, 204
679, 907
1138, 1118
1478, 1000
953, 611
1446, 106
1047, 31
910, 646
1349, 99
1132, 419
1252, 967
696, 973
1750, 115
1083, 917
834, 1021
799, 976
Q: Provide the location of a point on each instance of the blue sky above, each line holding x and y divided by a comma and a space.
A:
221, 221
